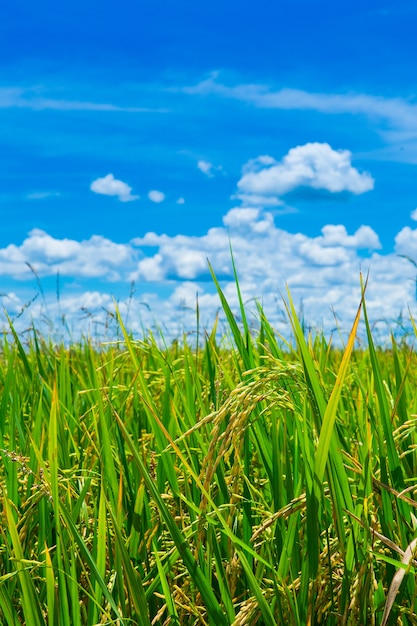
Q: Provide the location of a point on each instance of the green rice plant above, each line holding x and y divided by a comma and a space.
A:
231, 480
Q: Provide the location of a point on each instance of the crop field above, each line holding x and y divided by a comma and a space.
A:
241, 480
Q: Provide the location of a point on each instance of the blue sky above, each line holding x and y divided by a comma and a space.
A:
137, 139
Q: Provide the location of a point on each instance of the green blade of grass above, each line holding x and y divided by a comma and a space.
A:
385, 414
388, 452
244, 347
55, 497
330, 413
30, 602
132, 577
214, 610
101, 552
85, 554
150, 407
6, 607
50, 587
166, 590
338, 480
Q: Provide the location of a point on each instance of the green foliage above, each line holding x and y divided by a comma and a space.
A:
254, 484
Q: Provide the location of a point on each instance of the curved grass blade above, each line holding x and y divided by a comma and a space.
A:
397, 580
30, 602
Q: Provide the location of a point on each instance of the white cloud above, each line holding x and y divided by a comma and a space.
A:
156, 196
314, 165
252, 199
241, 216
249, 219
322, 271
365, 237
262, 249
42, 195
406, 242
394, 119
398, 112
205, 167
110, 186
33, 98
96, 257
152, 268
208, 168
413, 215
181, 201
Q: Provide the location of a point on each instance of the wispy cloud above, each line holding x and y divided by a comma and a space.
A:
110, 186
42, 195
208, 168
31, 98
399, 113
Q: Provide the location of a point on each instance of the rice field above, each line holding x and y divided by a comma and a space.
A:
233, 481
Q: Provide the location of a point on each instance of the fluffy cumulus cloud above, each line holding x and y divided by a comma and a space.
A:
322, 272
406, 243
110, 186
314, 165
156, 196
267, 254
96, 257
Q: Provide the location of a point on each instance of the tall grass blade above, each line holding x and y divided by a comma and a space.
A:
214, 610
30, 604
397, 580
330, 413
